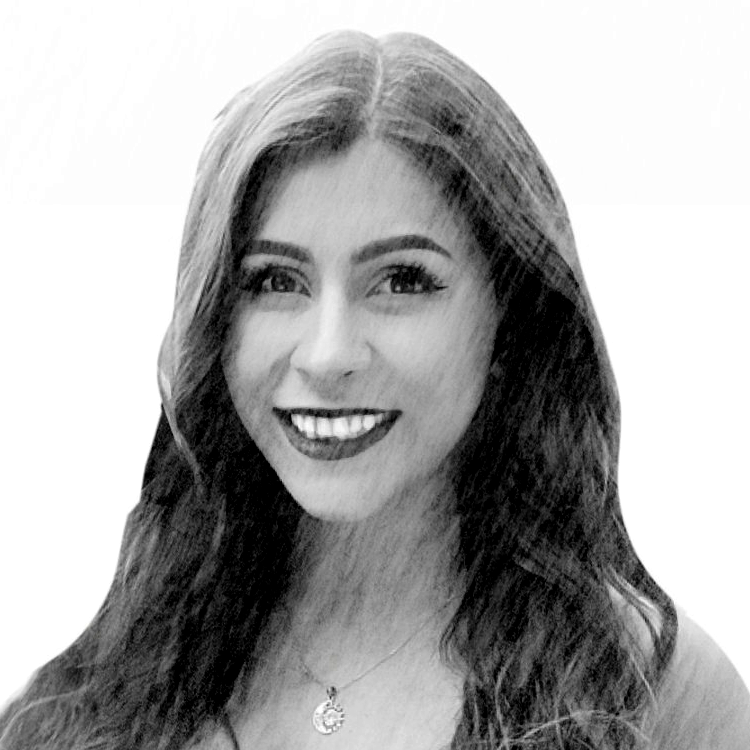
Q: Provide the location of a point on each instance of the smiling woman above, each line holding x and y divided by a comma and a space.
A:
381, 505
352, 325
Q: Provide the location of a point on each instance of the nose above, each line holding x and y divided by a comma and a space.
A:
332, 341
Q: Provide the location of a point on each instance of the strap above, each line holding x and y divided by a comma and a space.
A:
230, 730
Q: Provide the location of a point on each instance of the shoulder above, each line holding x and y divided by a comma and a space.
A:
702, 703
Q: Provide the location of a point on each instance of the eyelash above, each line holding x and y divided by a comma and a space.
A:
252, 280
417, 274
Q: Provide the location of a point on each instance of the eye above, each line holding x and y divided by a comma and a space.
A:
270, 279
409, 279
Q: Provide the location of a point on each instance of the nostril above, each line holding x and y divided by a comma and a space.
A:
330, 363
331, 345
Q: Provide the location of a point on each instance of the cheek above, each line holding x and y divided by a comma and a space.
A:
248, 362
446, 368
452, 356
255, 337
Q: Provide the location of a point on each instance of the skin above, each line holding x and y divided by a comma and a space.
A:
703, 702
331, 331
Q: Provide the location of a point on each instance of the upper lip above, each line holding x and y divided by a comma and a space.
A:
333, 413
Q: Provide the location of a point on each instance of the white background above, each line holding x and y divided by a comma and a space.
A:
642, 111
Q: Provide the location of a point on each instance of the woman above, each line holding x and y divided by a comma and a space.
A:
381, 505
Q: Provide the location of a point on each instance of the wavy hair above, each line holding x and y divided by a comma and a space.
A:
551, 660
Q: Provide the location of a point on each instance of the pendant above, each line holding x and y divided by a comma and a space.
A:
328, 717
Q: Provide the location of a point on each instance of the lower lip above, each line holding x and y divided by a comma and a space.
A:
333, 449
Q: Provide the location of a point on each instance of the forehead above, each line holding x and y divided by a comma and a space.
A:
348, 200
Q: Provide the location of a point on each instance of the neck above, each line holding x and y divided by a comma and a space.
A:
374, 582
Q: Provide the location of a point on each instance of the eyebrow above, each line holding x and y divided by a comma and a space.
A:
368, 252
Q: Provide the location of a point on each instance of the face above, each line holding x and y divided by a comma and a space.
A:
361, 343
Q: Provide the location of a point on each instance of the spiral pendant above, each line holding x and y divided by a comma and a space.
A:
328, 717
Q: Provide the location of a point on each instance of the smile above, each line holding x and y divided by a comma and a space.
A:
342, 428
332, 434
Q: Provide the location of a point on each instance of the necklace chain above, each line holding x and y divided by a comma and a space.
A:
309, 673
329, 716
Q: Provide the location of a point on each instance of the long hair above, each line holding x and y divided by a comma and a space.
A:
551, 658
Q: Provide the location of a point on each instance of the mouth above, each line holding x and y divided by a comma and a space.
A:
333, 434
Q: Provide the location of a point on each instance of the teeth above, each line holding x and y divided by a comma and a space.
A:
323, 427
342, 428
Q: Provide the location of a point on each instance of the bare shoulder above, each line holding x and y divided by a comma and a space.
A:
703, 703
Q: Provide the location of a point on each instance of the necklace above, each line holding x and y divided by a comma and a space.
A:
328, 716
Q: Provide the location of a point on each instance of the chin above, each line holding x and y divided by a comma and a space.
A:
329, 505
345, 511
